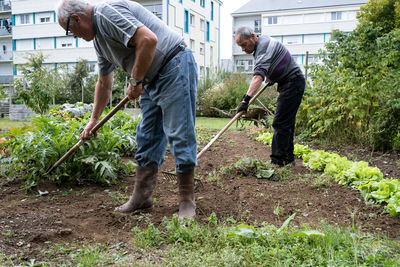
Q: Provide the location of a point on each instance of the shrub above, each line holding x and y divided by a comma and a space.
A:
97, 160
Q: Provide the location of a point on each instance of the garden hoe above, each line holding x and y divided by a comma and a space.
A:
171, 176
95, 128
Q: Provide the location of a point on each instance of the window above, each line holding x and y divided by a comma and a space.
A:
273, 20
201, 71
336, 15
192, 46
314, 38
44, 43
186, 22
244, 65
202, 24
202, 48
24, 44
292, 39
257, 26
313, 59
207, 31
64, 42
25, 19
203, 3
45, 19
212, 10
192, 20
211, 55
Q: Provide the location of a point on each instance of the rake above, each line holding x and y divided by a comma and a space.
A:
95, 128
172, 176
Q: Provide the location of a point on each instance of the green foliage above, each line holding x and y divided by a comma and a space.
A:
97, 160
220, 244
119, 85
39, 84
78, 82
356, 91
384, 14
358, 84
3, 92
224, 95
358, 175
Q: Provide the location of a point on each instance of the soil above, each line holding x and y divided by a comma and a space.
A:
72, 213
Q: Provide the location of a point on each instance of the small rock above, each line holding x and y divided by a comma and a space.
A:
65, 231
20, 243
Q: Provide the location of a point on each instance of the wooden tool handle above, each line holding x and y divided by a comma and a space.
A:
230, 122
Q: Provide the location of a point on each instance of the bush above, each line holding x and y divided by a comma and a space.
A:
97, 160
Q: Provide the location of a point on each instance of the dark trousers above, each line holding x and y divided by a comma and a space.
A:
290, 94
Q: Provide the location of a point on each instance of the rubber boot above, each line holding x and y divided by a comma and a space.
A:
187, 207
141, 198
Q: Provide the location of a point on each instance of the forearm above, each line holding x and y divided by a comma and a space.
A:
254, 85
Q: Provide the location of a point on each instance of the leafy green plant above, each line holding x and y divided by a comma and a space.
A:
97, 160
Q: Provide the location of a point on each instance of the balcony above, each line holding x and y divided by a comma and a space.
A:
5, 6
6, 79
5, 31
6, 56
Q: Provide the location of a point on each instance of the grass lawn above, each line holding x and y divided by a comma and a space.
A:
216, 123
6, 124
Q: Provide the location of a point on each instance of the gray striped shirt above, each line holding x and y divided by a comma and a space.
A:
272, 60
115, 23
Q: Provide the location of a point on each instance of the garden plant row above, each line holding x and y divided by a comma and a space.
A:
356, 174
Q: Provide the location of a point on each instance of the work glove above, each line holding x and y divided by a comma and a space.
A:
244, 105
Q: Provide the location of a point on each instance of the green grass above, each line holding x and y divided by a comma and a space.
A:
216, 123
229, 243
6, 124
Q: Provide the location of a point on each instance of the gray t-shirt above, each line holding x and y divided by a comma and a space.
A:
115, 23
272, 60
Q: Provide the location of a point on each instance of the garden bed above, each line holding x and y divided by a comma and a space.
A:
30, 223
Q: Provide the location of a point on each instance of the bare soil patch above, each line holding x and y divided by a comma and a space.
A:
85, 213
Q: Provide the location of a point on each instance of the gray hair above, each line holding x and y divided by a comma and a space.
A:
66, 8
244, 32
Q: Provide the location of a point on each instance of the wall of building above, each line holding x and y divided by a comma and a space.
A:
301, 30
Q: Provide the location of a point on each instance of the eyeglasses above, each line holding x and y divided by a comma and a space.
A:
67, 31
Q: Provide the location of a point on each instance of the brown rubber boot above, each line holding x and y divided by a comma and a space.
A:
141, 198
187, 207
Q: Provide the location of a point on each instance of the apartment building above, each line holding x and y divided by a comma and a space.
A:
302, 25
35, 29
6, 53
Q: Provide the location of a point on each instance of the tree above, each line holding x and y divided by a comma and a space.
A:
356, 91
384, 14
78, 85
38, 85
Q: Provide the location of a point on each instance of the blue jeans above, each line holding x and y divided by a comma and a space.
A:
168, 115
290, 94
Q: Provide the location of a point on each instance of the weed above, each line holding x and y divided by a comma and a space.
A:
117, 197
320, 182
278, 210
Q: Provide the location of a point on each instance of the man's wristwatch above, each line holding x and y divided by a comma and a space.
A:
134, 82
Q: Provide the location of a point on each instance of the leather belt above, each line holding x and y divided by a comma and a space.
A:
174, 52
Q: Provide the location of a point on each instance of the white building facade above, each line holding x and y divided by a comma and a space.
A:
6, 52
35, 29
302, 25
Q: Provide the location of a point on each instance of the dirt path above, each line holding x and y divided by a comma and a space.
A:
72, 213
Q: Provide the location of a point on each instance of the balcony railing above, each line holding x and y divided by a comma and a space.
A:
5, 31
6, 79
6, 56
5, 6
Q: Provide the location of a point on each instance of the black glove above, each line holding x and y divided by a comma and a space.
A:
244, 105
